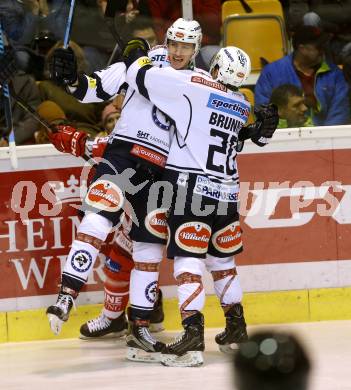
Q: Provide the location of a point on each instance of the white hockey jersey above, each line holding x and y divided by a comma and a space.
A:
141, 123
208, 118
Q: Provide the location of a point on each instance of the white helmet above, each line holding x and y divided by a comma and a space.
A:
234, 66
188, 31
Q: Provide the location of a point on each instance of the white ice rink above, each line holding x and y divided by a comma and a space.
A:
76, 364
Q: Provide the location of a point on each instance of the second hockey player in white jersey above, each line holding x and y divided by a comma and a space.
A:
203, 220
141, 142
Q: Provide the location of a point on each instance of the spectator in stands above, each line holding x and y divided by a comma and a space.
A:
346, 66
291, 106
324, 86
163, 13
332, 16
53, 115
271, 360
12, 16
109, 117
83, 116
24, 124
141, 27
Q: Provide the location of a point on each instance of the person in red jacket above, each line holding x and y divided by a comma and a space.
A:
163, 13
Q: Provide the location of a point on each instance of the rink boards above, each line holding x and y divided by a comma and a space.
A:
295, 214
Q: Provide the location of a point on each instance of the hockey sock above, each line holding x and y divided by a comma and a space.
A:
227, 286
191, 294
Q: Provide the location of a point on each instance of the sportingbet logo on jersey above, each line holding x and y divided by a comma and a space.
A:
229, 106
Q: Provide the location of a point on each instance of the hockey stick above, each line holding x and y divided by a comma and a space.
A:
246, 6
187, 9
110, 13
69, 24
8, 110
26, 107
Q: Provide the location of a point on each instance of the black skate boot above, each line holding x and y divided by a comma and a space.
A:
103, 327
157, 316
59, 313
142, 347
187, 348
235, 329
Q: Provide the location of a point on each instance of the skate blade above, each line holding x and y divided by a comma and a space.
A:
229, 349
190, 359
55, 324
112, 335
139, 355
155, 328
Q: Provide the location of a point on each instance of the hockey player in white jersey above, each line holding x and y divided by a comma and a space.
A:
203, 220
140, 141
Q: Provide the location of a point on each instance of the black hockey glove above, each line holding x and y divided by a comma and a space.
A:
63, 67
135, 48
249, 131
269, 118
8, 66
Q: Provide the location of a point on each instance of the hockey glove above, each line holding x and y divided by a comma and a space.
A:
135, 49
63, 67
67, 139
250, 131
269, 118
8, 66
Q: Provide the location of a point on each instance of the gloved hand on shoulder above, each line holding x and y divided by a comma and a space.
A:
134, 49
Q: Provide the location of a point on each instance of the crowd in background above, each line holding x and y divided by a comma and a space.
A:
320, 55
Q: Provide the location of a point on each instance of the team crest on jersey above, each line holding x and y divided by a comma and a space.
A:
156, 224
229, 106
81, 261
151, 292
228, 239
193, 237
161, 119
105, 195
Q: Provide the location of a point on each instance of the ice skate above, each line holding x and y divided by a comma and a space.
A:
59, 312
187, 348
235, 330
104, 327
142, 347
